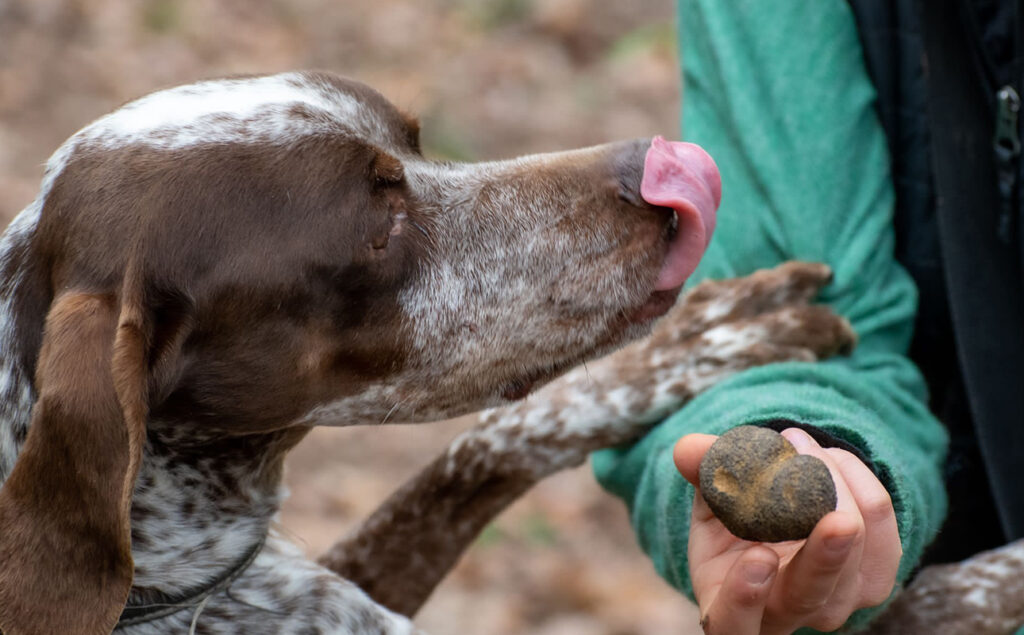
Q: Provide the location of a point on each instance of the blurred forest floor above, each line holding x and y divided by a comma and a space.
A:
489, 79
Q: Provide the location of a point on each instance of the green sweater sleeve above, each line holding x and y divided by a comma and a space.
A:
778, 95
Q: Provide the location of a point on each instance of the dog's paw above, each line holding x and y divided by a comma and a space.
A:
801, 332
804, 333
714, 302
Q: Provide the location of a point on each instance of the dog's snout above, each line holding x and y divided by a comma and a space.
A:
628, 164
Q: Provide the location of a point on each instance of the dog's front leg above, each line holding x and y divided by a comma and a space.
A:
408, 545
983, 595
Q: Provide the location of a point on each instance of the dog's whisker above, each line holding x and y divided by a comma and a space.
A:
394, 408
419, 227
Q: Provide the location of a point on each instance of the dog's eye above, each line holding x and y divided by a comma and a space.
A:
382, 181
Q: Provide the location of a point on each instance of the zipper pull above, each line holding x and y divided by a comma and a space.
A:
1007, 148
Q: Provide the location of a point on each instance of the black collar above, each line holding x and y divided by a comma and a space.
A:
163, 605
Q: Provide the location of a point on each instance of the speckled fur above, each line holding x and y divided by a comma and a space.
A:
983, 595
283, 592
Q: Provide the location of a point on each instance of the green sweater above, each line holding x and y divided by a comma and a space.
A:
777, 93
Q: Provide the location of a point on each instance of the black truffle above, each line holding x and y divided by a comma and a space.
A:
762, 490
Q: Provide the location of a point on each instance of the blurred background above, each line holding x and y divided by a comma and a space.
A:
489, 79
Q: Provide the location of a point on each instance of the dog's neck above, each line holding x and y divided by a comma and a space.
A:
198, 507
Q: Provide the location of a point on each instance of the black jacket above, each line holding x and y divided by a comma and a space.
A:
947, 73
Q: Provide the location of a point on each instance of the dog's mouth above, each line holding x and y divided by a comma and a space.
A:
683, 178
656, 306
523, 386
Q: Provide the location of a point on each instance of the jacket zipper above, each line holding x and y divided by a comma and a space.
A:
1007, 148
1006, 141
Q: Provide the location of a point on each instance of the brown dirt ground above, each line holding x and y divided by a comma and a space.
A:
489, 78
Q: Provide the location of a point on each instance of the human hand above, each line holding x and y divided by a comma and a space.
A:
848, 562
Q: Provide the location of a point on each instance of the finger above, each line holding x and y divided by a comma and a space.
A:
688, 453
711, 548
738, 606
825, 571
819, 583
882, 546
701, 511
857, 488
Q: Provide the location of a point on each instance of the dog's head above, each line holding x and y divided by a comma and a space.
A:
251, 254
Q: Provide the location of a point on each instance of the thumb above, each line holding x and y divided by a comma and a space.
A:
738, 607
688, 453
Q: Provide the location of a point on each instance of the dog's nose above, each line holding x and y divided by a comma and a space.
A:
628, 164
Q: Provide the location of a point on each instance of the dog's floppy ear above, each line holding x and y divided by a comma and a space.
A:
65, 536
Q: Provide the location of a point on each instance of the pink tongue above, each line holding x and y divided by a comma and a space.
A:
682, 176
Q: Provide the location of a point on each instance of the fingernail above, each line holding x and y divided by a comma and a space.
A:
799, 439
839, 543
757, 572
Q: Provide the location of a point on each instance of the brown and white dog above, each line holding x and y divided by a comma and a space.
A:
213, 269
